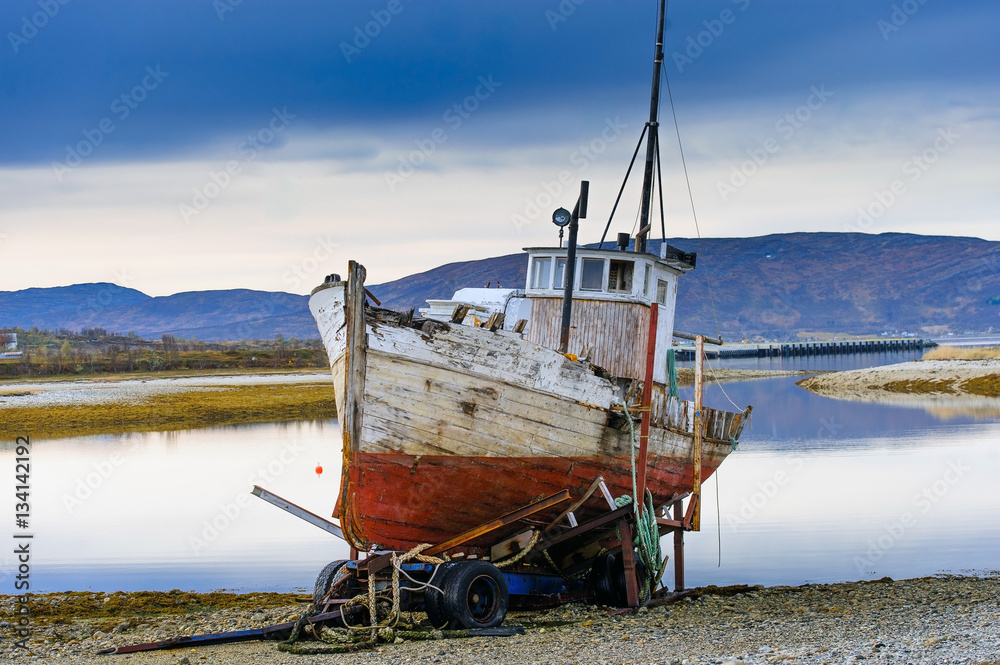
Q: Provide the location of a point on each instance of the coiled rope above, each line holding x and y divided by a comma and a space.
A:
647, 531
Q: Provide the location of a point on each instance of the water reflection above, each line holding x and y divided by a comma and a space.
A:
169, 510
820, 490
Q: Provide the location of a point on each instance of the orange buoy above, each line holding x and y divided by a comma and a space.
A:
319, 470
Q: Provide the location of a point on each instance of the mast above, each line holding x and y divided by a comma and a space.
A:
651, 135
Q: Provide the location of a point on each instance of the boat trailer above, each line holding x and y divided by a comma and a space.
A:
540, 556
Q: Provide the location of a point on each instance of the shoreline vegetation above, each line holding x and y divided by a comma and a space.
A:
83, 408
96, 352
932, 619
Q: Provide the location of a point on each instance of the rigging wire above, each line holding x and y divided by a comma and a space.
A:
718, 515
622, 190
687, 179
659, 180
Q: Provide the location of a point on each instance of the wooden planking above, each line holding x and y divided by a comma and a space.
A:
615, 332
425, 410
501, 356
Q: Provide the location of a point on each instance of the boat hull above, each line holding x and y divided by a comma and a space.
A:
448, 426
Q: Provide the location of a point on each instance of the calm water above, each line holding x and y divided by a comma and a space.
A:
820, 490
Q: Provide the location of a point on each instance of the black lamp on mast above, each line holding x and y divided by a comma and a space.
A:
562, 218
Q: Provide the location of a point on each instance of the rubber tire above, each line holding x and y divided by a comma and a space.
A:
434, 600
599, 580
325, 579
607, 580
475, 595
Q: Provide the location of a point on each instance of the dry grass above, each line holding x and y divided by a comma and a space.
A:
185, 410
962, 353
920, 386
988, 386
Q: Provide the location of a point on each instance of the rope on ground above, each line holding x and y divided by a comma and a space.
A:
372, 600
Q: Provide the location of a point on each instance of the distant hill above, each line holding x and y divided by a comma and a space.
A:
774, 286
210, 316
782, 284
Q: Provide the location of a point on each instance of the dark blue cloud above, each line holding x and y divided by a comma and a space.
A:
224, 75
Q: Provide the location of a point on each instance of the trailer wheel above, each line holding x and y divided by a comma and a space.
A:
434, 599
326, 578
607, 580
475, 595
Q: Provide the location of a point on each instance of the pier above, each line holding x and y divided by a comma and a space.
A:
796, 349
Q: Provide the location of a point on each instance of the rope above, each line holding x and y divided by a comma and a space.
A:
647, 531
370, 601
523, 553
718, 513
694, 214
672, 371
719, 383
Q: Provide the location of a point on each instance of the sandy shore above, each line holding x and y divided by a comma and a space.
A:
919, 383
928, 620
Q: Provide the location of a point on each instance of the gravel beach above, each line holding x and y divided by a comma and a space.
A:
927, 620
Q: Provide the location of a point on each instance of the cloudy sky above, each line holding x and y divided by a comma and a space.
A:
175, 145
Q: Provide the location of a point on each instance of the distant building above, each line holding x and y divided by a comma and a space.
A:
8, 341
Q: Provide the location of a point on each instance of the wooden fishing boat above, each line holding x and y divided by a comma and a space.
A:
450, 419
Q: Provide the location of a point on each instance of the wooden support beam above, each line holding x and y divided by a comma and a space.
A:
692, 509
699, 385
501, 521
647, 398
607, 495
628, 558
678, 549
569, 511
586, 526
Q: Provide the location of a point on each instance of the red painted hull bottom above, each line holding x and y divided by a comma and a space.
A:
399, 501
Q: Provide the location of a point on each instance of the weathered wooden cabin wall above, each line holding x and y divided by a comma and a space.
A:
615, 332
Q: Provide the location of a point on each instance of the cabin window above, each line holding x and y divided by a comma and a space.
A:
592, 275
560, 274
661, 292
620, 276
540, 272
647, 283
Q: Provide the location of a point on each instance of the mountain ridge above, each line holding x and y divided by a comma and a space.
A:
773, 286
